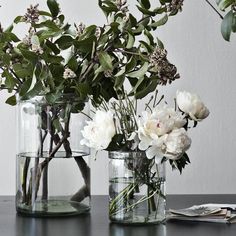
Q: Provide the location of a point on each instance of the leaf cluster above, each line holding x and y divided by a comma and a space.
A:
101, 57
228, 24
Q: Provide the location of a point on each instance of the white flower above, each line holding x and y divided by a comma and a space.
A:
80, 28
171, 146
177, 143
98, 32
37, 49
153, 125
157, 149
69, 74
192, 105
99, 132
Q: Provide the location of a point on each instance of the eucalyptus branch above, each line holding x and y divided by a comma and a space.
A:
144, 18
86, 115
156, 104
210, 4
127, 52
87, 71
155, 98
16, 77
147, 105
133, 110
5, 88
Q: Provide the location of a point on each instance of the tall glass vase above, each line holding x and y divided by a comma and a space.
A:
136, 189
53, 173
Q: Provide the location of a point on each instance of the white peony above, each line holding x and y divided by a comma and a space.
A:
177, 143
192, 105
99, 132
153, 125
157, 149
171, 146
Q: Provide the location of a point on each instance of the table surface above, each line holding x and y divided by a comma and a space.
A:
97, 224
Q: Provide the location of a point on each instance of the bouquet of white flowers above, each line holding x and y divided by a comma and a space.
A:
138, 146
160, 130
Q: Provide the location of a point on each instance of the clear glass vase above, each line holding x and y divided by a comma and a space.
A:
53, 173
136, 189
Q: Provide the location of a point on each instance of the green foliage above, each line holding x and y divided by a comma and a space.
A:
180, 163
54, 7
101, 58
228, 24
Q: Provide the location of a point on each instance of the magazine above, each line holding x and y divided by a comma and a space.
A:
218, 213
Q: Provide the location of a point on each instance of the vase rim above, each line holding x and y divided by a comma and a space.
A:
120, 154
127, 151
41, 99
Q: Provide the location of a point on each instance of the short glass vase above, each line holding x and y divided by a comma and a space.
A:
136, 189
53, 173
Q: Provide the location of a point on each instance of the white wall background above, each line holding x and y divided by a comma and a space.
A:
207, 66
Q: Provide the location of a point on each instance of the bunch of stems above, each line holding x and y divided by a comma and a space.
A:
39, 172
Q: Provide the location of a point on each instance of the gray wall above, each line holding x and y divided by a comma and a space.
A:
207, 66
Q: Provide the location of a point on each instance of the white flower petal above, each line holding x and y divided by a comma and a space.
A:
158, 159
151, 152
144, 144
132, 136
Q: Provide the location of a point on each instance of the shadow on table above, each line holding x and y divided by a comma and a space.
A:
68, 226
132, 230
180, 228
173, 228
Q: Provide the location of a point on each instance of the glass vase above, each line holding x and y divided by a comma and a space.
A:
136, 189
53, 173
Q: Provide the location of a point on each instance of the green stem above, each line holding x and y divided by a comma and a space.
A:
24, 183
121, 196
45, 174
141, 200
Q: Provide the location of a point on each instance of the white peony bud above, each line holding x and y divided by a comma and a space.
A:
192, 105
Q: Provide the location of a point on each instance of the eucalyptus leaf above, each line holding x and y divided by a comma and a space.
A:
54, 7
25, 87
119, 82
226, 25
140, 72
105, 60
145, 3
160, 22
35, 91
223, 4
11, 100
147, 90
21, 71
64, 42
131, 40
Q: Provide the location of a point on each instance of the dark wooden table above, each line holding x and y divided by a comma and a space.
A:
97, 223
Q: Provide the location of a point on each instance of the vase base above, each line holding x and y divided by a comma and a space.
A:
53, 208
138, 221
